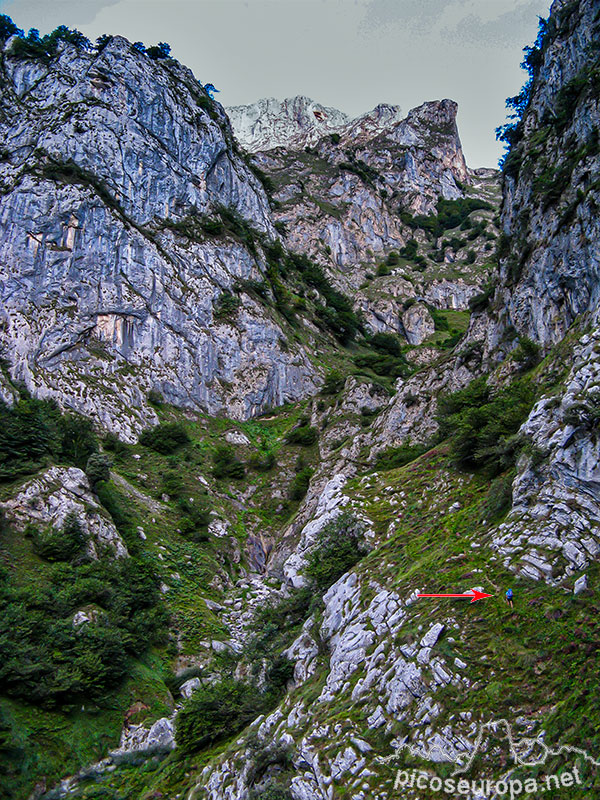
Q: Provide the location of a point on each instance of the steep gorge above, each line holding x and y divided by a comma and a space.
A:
421, 447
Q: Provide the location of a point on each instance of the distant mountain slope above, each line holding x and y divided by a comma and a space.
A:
299, 121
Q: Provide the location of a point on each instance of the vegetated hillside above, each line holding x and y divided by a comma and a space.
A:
234, 602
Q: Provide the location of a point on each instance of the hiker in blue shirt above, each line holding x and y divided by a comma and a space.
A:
509, 597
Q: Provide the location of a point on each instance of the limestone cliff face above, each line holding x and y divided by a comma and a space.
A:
342, 197
111, 163
298, 121
550, 211
346, 200
295, 121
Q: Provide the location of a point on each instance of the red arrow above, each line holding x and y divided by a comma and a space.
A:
472, 594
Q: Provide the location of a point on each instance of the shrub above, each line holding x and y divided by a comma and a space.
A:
299, 486
386, 365
264, 757
78, 441
334, 382
394, 457
450, 214
440, 321
263, 461
98, 468
172, 483
304, 435
480, 301
112, 443
194, 525
226, 464
45, 660
335, 138
482, 427
410, 249
160, 50
59, 545
499, 498
165, 438
215, 712
527, 353
338, 314
33, 433
102, 41
118, 508
155, 398
8, 27
338, 548
226, 306
44, 48
386, 343
280, 672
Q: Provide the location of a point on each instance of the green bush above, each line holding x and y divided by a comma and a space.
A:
59, 545
482, 426
480, 301
385, 365
263, 461
226, 464
450, 214
339, 546
410, 249
280, 672
527, 353
98, 468
194, 525
304, 435
337, 314
440, 321
113, 444
172, 483
499, 498
155, 398
119, 509
334, 382
33, 433
45, 659
78, 441
165, 438
394, 457
216, 712
226, 306
33, 46
299, 486
386, 343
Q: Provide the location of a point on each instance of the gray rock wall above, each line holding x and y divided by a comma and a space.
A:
104, 153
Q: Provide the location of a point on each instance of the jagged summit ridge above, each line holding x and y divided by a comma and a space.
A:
299, 121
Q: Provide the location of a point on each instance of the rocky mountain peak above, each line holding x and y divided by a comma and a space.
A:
296, 121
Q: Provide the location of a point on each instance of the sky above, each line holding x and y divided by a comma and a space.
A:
349, 54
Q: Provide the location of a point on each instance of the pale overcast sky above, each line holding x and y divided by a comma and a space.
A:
350, 54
